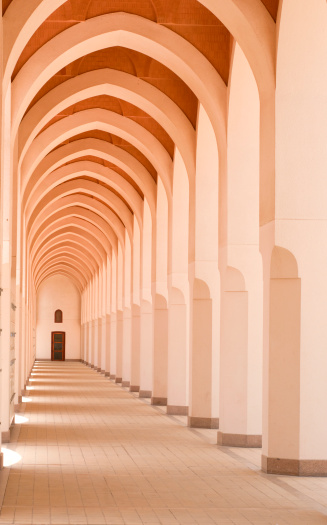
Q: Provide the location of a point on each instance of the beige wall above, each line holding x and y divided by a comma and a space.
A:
55, 293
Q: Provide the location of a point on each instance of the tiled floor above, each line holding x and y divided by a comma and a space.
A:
88, 451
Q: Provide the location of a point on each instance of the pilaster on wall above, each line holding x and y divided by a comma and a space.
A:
295, 400
1, 218
7, 316
178, 292
204, 278
136, 341
160, 351
242, 294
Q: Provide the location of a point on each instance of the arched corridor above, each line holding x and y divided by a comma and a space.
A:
163, 212
92, 452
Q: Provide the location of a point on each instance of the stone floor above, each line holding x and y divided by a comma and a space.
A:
85, 450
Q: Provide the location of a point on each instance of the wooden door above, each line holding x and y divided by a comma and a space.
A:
57, 346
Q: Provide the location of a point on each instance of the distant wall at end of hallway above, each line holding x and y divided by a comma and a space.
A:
58, 293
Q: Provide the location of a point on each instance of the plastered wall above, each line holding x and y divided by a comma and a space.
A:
58, 292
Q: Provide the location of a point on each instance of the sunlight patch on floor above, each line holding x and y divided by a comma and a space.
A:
10, 457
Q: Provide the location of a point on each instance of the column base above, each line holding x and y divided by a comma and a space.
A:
99, 370
92, 366
107, 374
1, 460
118, 380
239, 440
203, 422
125, 384
294, 467
134, 388
5, 436
145, 393
175, 410
112, 376
159, 401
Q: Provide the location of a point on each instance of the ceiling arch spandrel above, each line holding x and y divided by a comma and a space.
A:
272, 7
145, 8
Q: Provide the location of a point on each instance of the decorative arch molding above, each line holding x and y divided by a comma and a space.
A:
65, 224
132, 32
98, 148
83, 186
64, 260
77, 254
66, 270
255, 31
72, 260
65, 203
71, 214
103, 120
94, 246
65, 273
117, 84
249, 23
91, 251
90, 169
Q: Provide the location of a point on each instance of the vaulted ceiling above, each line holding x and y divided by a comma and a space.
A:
189, 19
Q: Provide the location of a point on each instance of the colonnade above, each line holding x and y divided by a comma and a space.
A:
197, 248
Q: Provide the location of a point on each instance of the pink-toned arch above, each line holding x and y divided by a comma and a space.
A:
97, 148
78, 254
243, 20
90, 169
66, 273
89, 246
66, 223
249, 23
64, 269
76, 212
116, 84
91, 188
69, 260
103, 120
255, 31
132, 32
75, 235
61, 259
86, 202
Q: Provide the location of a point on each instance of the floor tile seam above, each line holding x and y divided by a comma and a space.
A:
161, 508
